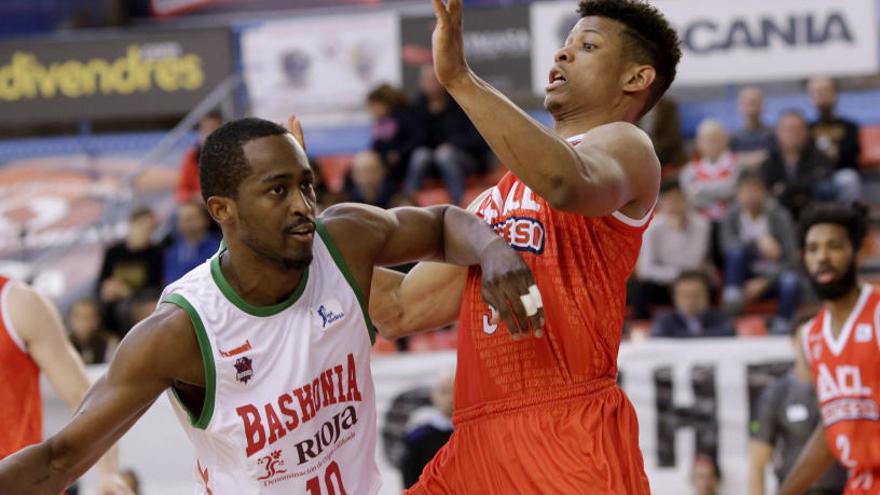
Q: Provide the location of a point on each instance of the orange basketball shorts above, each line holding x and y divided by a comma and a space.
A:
583, 441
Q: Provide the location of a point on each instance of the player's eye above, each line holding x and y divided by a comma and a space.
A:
589, 46
279, 190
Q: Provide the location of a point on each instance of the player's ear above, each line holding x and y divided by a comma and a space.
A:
222, 209
638, 78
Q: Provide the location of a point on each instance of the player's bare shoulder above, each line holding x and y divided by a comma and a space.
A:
624, 139
360, 226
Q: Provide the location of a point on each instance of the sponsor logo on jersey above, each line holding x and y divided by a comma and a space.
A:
844, 382
330, 312
244, 369
238, 350
328, 434
274, 465
863, 332
522, 233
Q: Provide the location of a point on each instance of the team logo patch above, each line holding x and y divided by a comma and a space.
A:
330, 312
274, 465
863, 332
244, 369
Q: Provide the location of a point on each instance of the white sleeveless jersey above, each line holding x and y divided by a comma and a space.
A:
289, 404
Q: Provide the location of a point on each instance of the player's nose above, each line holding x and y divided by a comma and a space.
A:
564, 54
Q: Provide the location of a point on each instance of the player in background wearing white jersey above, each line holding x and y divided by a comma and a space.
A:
842, 344
259, 187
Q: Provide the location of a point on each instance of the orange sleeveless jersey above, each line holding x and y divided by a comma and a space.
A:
21, 410
846, 370
581, 266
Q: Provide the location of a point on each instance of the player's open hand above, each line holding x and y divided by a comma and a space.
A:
295, 127
448, 43
509, 287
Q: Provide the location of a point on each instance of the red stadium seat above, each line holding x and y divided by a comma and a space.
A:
870, 140
333, 169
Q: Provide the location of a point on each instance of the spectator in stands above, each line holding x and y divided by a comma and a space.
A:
677, 240
754, 141
87, 334
446, 139
761, 254
663, 124
130, 266
424, 441
193, 241
796, 172
392, 132
188, 181
366, 181
709, 182
788, 413
705, 475
693, 315
835, 136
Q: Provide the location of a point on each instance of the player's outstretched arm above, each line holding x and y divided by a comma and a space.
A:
815, 459
614, 165
371, 236
158, 351
37, 322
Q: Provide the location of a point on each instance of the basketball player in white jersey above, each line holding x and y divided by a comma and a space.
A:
264, 349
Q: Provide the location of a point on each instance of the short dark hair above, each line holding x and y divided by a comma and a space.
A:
750, 176
651, 40
140, 212
387, 94
669, 185
694, 275
851, 216
222, 164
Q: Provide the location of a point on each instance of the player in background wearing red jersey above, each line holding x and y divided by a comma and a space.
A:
32, 339
842, 344
544, 415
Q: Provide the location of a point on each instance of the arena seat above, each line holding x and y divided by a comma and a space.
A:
869, 136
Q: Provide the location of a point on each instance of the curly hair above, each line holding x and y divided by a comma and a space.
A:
649, 38
851, 216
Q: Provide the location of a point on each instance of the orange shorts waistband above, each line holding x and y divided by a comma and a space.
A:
487, 410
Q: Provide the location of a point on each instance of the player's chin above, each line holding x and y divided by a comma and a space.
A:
554, 102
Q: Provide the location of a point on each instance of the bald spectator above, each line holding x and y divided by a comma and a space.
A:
709, 182
796, 172
753, 142
367, 181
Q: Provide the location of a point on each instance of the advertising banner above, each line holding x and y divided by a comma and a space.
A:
118, 75
321, 68
745, 41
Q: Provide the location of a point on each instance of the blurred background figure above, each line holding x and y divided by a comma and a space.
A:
393, 136
132, 480
705, 476
94, 344
663, 124
677, 240
761, 253
130, 266
788, 413
446, 140
188, 187
425, 440
837, 137
754, 140
693, 315
709, 181
192, 241
367, 181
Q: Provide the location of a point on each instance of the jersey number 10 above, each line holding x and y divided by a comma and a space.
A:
332, 478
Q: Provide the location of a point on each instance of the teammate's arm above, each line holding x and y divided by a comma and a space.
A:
759, 455
815, 459
614, 165
373, 236
154, 354
37, 322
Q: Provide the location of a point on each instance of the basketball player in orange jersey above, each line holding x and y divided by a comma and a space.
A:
32, 339
544, 415
842, 344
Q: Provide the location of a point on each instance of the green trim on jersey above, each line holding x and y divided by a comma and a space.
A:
207, 412
343, 267
251, 309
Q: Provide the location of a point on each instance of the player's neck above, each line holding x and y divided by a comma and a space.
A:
258, 281
841, 308
575, 124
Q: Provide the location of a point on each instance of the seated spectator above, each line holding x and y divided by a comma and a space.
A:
677, 240
709, 182
129, 267
366, 181
693, 315
705, 476
760, 252
446, 139
188, 181
193, 241
663, 124
93, 343
753, 142
423, 442
796, 172
837, 137
788, 413
392, 132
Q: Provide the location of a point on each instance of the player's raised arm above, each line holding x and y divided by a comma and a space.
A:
372, 236
814, 461
613, 167
157, 352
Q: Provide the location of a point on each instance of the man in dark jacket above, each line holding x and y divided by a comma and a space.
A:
836, 137
693, 316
